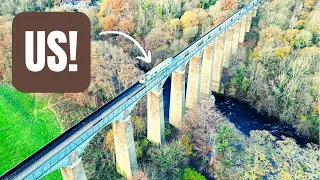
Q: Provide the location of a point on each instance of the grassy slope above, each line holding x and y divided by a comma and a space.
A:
26, 124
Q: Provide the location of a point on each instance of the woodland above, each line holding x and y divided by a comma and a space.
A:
276, 70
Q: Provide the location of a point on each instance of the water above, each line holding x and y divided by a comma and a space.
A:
244, 117
247, 119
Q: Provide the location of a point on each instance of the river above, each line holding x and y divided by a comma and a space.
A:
244, 117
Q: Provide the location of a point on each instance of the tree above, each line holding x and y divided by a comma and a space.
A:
98, 162
109, 141
190, 33
260, 156
191, 4
290, 36
114, 71
126, 26
228, 149
169, 160
96, 25
177, 45
258, 163
175, 27
313, 23
9, 8
109, 22
279, 75
139, 127
214, 12
303, 39
5, 51
50, 4
189, 19
289, 159
204, 21
190, 174
199, 134
119, 15
309, 4
242, 3
144, 16
229, 4
157, 41
281, 52
203, 128
115, 6
212, 2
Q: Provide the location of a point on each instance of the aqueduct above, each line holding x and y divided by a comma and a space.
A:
208, 56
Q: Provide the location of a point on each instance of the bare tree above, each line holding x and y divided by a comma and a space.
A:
202, 129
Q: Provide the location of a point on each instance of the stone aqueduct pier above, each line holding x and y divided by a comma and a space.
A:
208, 56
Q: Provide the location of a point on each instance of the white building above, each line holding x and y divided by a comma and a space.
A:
76, 3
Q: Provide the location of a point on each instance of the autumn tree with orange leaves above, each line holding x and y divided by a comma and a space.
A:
229, 4
117, 15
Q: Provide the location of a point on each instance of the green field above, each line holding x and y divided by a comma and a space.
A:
26, 124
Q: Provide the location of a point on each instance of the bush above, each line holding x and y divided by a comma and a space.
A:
191, 33
139, 127
99, 162
171, 132
169, 160
142, 147
190, 174
281, 52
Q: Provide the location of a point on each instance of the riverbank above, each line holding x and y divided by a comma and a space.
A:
247, 119
244, 117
